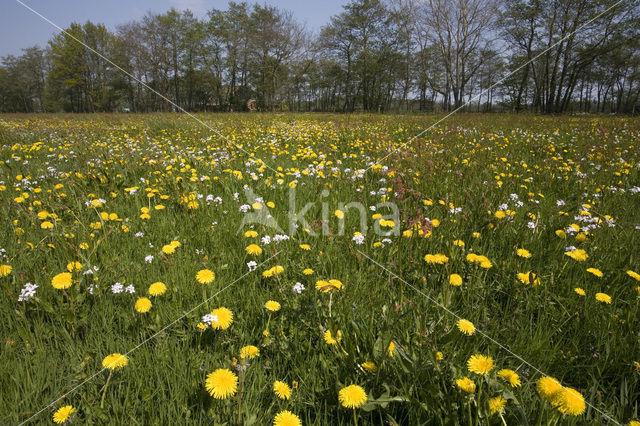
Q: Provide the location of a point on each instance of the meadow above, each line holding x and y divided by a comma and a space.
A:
150, 272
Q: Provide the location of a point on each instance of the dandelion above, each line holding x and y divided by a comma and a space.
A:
455, 280
273, 271
222, 383
74, 266
496, 405
115, 361
577, 254
307, 271
570, 401
250, 234
510, 376
631, 273
305, 247
286, 418
391, 349
281, 389
272, 306
548, 388
604, 298
438, 259
480, 364
523, 253
157, 289
62, 281
466, 327
62, 414
339, 214
352, 396
326, 286
597, 272
466, 384
253, 250
369, 366
5, 270
224, 318
330, 340
143, 305
205, 276
168, 249
249, 352
579, 291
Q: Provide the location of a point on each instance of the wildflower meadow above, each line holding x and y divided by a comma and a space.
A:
289, 269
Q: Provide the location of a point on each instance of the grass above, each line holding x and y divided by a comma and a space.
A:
54, 342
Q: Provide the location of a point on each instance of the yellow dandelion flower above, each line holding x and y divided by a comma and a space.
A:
330, 340
523, 253
571, 402
496, 405
307, 271
438, 259
325, 286
253, 250
391, 349
168, 249
455, 280
249, 352
480, 364
466, 327
62, 281
339, 214
143, 305
250, 234
352, 396
597, 272
578, 254
603, 297
369, 366
115, 361
633, 275
466, 384
579, 291
286, 417
548, 388
157, 289
224, 316
205, 276
74, 266
221, 384
510, 376
281, 389
62, 414
5, 270
272, 306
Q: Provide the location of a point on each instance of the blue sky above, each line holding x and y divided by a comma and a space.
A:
20, 28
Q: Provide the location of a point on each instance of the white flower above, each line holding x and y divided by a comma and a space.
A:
130, 289
504, 206
252, 265
358, 239
27, 292
560, 203
298, 288
148, 258
139, 234
116, 288
531, 225
244, 208
266, 240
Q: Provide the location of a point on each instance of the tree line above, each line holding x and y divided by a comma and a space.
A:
547, 56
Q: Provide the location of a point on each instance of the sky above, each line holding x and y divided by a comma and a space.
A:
21, 28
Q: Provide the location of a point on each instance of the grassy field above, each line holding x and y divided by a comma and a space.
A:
509, 237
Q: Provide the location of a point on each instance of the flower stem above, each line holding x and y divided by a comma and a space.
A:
105, 389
